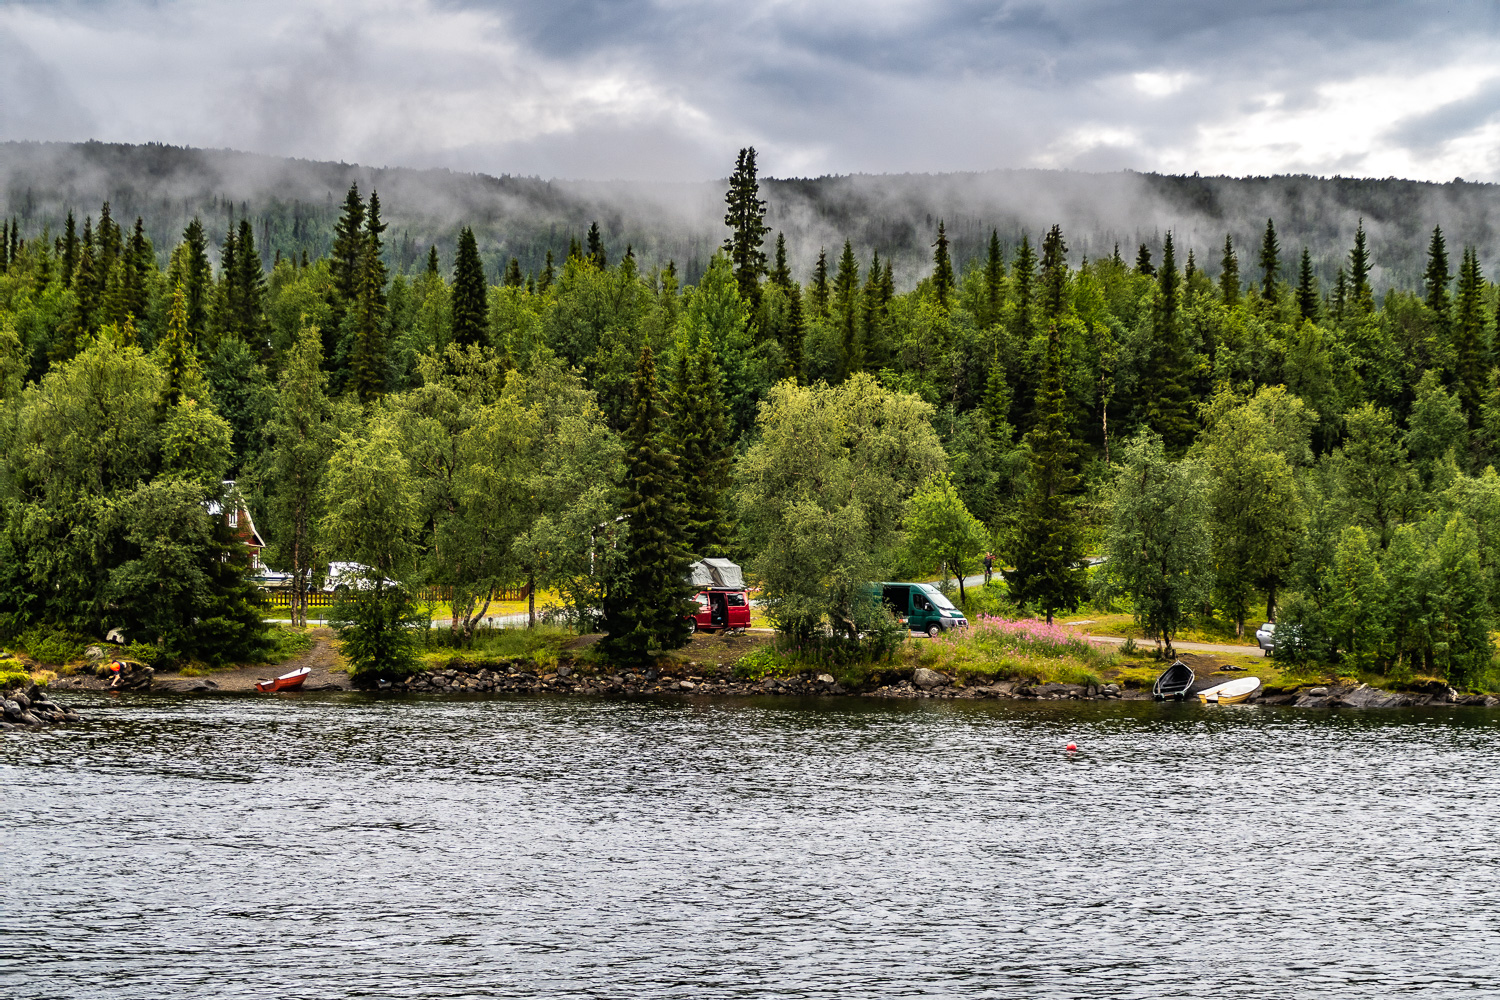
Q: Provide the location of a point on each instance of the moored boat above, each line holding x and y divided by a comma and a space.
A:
286, 682
1174, 682
1232, 692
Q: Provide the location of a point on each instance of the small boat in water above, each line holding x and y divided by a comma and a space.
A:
1174, 682
286, 682
1232, 692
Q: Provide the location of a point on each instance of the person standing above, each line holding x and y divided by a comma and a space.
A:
989, 566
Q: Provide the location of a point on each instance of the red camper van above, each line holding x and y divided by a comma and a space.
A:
722, 601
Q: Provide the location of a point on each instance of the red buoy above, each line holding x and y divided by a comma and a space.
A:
1072, 746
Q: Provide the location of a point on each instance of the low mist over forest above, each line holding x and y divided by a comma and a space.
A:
294, 205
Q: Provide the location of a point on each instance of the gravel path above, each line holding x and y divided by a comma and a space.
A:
327, 672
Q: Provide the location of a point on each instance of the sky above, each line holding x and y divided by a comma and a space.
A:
670, 89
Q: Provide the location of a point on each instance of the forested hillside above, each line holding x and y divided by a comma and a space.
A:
295, 204
1235, 432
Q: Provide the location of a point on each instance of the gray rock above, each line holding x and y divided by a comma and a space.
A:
94, 652
685, 685
12, 708
1365, 696
825, 679
22, 700
928, 679
1318, 692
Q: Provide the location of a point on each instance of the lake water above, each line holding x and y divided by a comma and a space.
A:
337, 846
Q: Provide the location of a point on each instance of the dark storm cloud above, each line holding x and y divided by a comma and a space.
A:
670, 88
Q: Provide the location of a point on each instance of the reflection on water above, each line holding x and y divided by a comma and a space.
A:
339, 847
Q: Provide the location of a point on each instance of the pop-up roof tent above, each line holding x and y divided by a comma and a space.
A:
716, 573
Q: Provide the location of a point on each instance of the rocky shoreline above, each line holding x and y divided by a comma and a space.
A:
30, 708
528, 677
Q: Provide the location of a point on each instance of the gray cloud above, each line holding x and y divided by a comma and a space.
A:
656, 89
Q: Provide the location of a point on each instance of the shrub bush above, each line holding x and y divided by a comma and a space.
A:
52, 646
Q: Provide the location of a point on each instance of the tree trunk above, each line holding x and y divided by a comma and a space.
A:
961, 598
531, 600
1271, 603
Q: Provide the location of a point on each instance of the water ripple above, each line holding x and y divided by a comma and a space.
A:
345, 847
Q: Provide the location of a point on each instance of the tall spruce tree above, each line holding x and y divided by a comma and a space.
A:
69, 250
1229, 273
138, 263
648, 607
1047, 547
197, 278
343, 266
781, 274
1143, 265
596, 247
1471, 358
1436, 279
994, 281
1169, 400
432, 260
1054, 273
1270, 262
368, 312
1022, 281
819, 292
942, 267
470, 305
250, 295
794, 333
705, 450
513, 277
746, 219
1360, 293
548, 275
1307, 288
178, 357
846, 309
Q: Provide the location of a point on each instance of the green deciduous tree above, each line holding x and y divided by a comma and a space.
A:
1159, 548
821, 494
1258, 512
300, 436
939, 528
372, 517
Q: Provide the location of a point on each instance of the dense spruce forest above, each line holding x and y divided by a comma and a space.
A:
1240, 431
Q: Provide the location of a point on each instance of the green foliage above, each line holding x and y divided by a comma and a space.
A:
1047, 546
379, 628
132, 386
746, 221
1158, 545
647, 609
470, 316
940, 529
51, 646
821, 494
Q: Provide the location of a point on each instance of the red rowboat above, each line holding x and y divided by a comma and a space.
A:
286, 682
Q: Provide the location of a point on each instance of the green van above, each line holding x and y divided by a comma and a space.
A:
922, 607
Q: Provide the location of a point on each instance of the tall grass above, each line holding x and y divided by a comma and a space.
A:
1020, 648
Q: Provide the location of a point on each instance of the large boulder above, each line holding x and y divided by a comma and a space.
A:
1365, 696
928, 679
